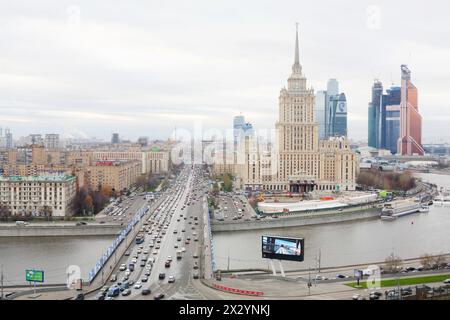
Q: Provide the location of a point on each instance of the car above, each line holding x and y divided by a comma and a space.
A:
169, 258
126, 292
113, 278
123, 267
447, 281
196, 239
144, 279
374, 295
358, 297
146, 291
187, 241
195, 275
171, 279
340, 276
113, 292
138, 285
127, 253
195, 265
100, 296
175, 245
162, 276
159, 296
167, 264
79, 296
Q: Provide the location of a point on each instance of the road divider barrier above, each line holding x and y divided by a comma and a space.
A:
238, 291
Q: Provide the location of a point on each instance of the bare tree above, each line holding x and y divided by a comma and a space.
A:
439, 261
427, 261
393, 263
4, 212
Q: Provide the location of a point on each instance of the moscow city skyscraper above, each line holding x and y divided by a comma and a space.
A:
410, 141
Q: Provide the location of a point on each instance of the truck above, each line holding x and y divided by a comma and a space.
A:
179, 254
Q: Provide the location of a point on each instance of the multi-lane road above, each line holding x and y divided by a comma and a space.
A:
176, 225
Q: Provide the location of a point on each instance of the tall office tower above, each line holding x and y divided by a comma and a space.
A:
331, 111
241, 128
410, 140
51, 141
36, 139
374, 114
8, 139
332, 87
339, 128
391, 101
321, 106
115, 138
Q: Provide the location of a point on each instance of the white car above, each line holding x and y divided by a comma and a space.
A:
138, 285
171, 279
123, 267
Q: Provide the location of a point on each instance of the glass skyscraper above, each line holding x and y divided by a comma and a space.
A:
331, 111
384, 118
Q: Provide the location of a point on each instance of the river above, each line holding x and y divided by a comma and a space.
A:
51, 254
345, 243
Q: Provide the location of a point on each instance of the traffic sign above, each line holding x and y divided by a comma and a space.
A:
34, 275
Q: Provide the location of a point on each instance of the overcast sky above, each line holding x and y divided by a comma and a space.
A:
140, 68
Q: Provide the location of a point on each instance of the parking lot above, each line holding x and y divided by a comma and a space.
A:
233, 207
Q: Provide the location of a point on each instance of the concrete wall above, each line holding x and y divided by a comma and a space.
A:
59, 230
297, 220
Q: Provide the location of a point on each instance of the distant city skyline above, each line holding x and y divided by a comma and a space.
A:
90, 70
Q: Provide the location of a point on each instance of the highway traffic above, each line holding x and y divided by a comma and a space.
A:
163, 260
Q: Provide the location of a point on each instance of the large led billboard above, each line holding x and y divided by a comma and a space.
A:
281, 248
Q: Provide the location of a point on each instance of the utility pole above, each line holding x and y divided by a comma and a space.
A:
309, 280
320, 257
1, 280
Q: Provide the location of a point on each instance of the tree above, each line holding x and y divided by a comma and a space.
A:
426, 261
227, 183
439, 261
393, 263
89, 202
106, 191
48, 212
142, 181
4, 212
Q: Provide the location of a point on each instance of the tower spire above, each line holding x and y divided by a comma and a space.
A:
297, 59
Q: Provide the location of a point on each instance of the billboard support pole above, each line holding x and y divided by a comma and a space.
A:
274, 271
281, 269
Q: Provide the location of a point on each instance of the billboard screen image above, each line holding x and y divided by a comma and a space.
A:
282, 248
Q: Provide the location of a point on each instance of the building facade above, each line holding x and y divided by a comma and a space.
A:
51, 141
410, 140
117, 175
38, 195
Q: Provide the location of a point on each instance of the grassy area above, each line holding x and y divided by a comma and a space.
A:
404, 281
